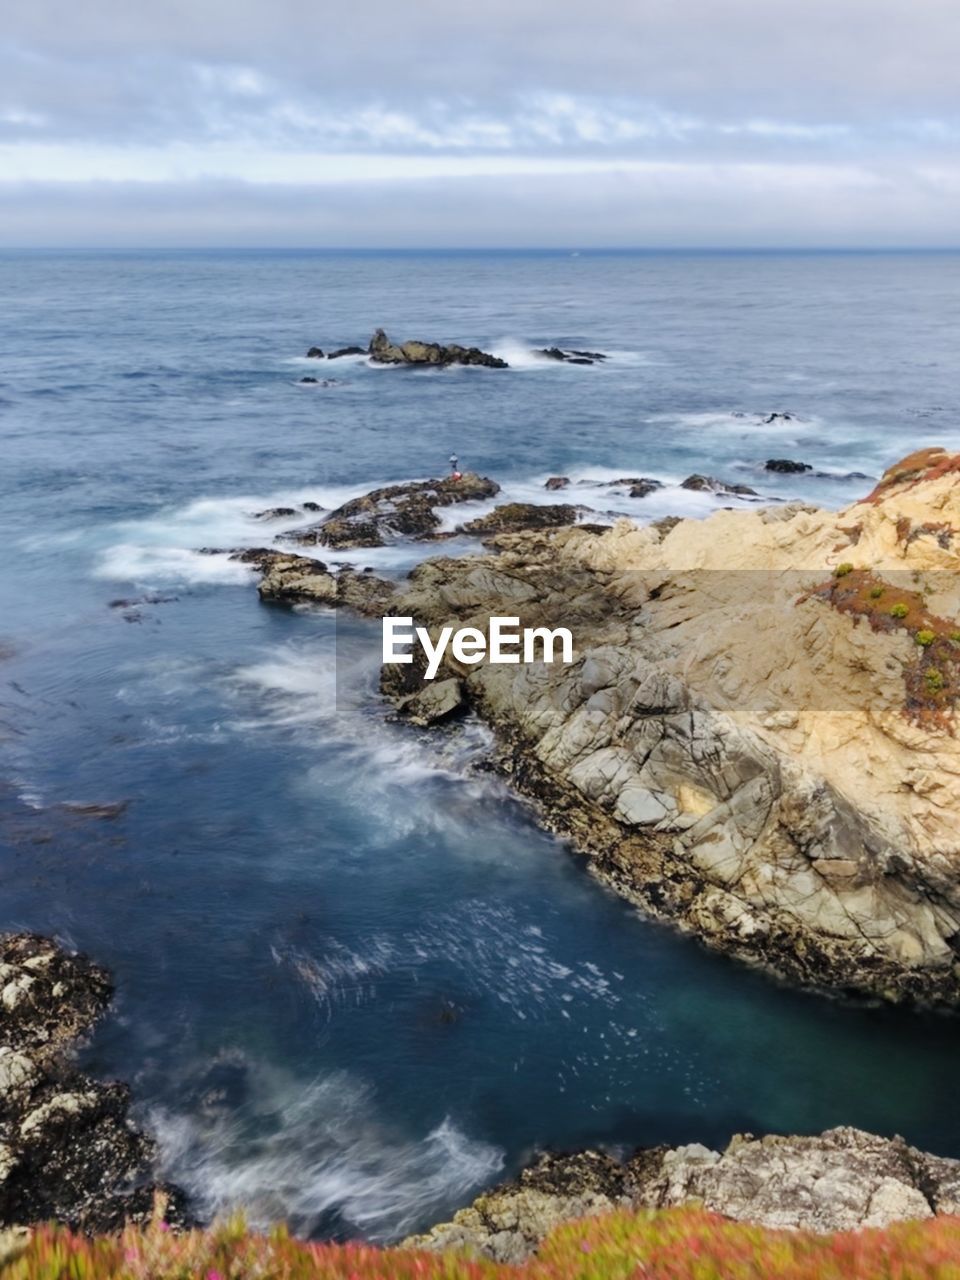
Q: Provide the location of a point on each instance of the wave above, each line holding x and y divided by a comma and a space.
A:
315, 1155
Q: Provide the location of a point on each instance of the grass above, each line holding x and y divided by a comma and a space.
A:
673, 1244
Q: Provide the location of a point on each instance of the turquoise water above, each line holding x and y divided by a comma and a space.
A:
356, 982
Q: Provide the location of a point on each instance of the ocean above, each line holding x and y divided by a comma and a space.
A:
356, 983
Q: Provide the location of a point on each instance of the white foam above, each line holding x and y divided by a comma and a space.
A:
300, 1151
128, 562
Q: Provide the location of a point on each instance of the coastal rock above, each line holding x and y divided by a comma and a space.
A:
275, 513
292, 579
513, 516
436, 701
68, 1150
398, 510
842, 1180
643, 487
383, 351
709, 484
347, 351
751, 740
315, 353
786, 466
557, 482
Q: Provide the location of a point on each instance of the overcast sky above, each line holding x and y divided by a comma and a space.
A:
567, 123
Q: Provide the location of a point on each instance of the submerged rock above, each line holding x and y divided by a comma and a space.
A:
398, 510
709, 484
571, 357
557, 482
383, 351
315, 353
786, 466
842, 1180
68, 1150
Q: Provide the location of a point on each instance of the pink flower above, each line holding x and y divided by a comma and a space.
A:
585, 1246
214, 1275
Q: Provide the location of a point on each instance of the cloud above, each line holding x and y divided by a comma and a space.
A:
682, 97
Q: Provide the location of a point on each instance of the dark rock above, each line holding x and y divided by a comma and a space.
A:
346, 351
777, 417
557, 482
312, 506
570, 357
398, 510
68, 1151
785, 466
315, 353
515, 516
644, 487
383, 351
276, 513
709, 484
314, 381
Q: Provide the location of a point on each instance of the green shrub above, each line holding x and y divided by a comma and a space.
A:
955, 637
933, 679
926, 638
876, 592
899, 611
842, 570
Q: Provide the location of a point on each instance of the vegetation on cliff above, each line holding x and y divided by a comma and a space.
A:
677, 1244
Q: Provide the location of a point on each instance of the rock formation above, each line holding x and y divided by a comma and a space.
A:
757, 738
67, 1148
383, 351
842, 1180
398, 510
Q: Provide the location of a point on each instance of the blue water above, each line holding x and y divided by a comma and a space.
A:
355, 982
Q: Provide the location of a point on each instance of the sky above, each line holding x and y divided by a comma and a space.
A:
513, 123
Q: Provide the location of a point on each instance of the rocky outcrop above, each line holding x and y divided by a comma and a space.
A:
842, 1180
557, 482
757, 736
398, 510
514, 516
68, 1150
383, 351
293, 579
346, 351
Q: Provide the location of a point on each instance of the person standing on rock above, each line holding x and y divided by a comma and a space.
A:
455, 472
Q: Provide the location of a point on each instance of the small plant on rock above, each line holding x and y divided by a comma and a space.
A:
899, 610
842, 570
933, 679
876, 593
926, 638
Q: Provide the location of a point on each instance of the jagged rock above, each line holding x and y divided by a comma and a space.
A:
513, 516
842, 1180
383, 351
315, 353
644, 487
68, 1150
777, 417
709, 484
435, 701
275, 513
745, 742
785, 466
292, 579
346, 351
557, 482
406, 510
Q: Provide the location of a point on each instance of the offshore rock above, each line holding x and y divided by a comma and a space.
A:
842, 1180
398, 510
68, 1150
383, 351
709, 484
786, 466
